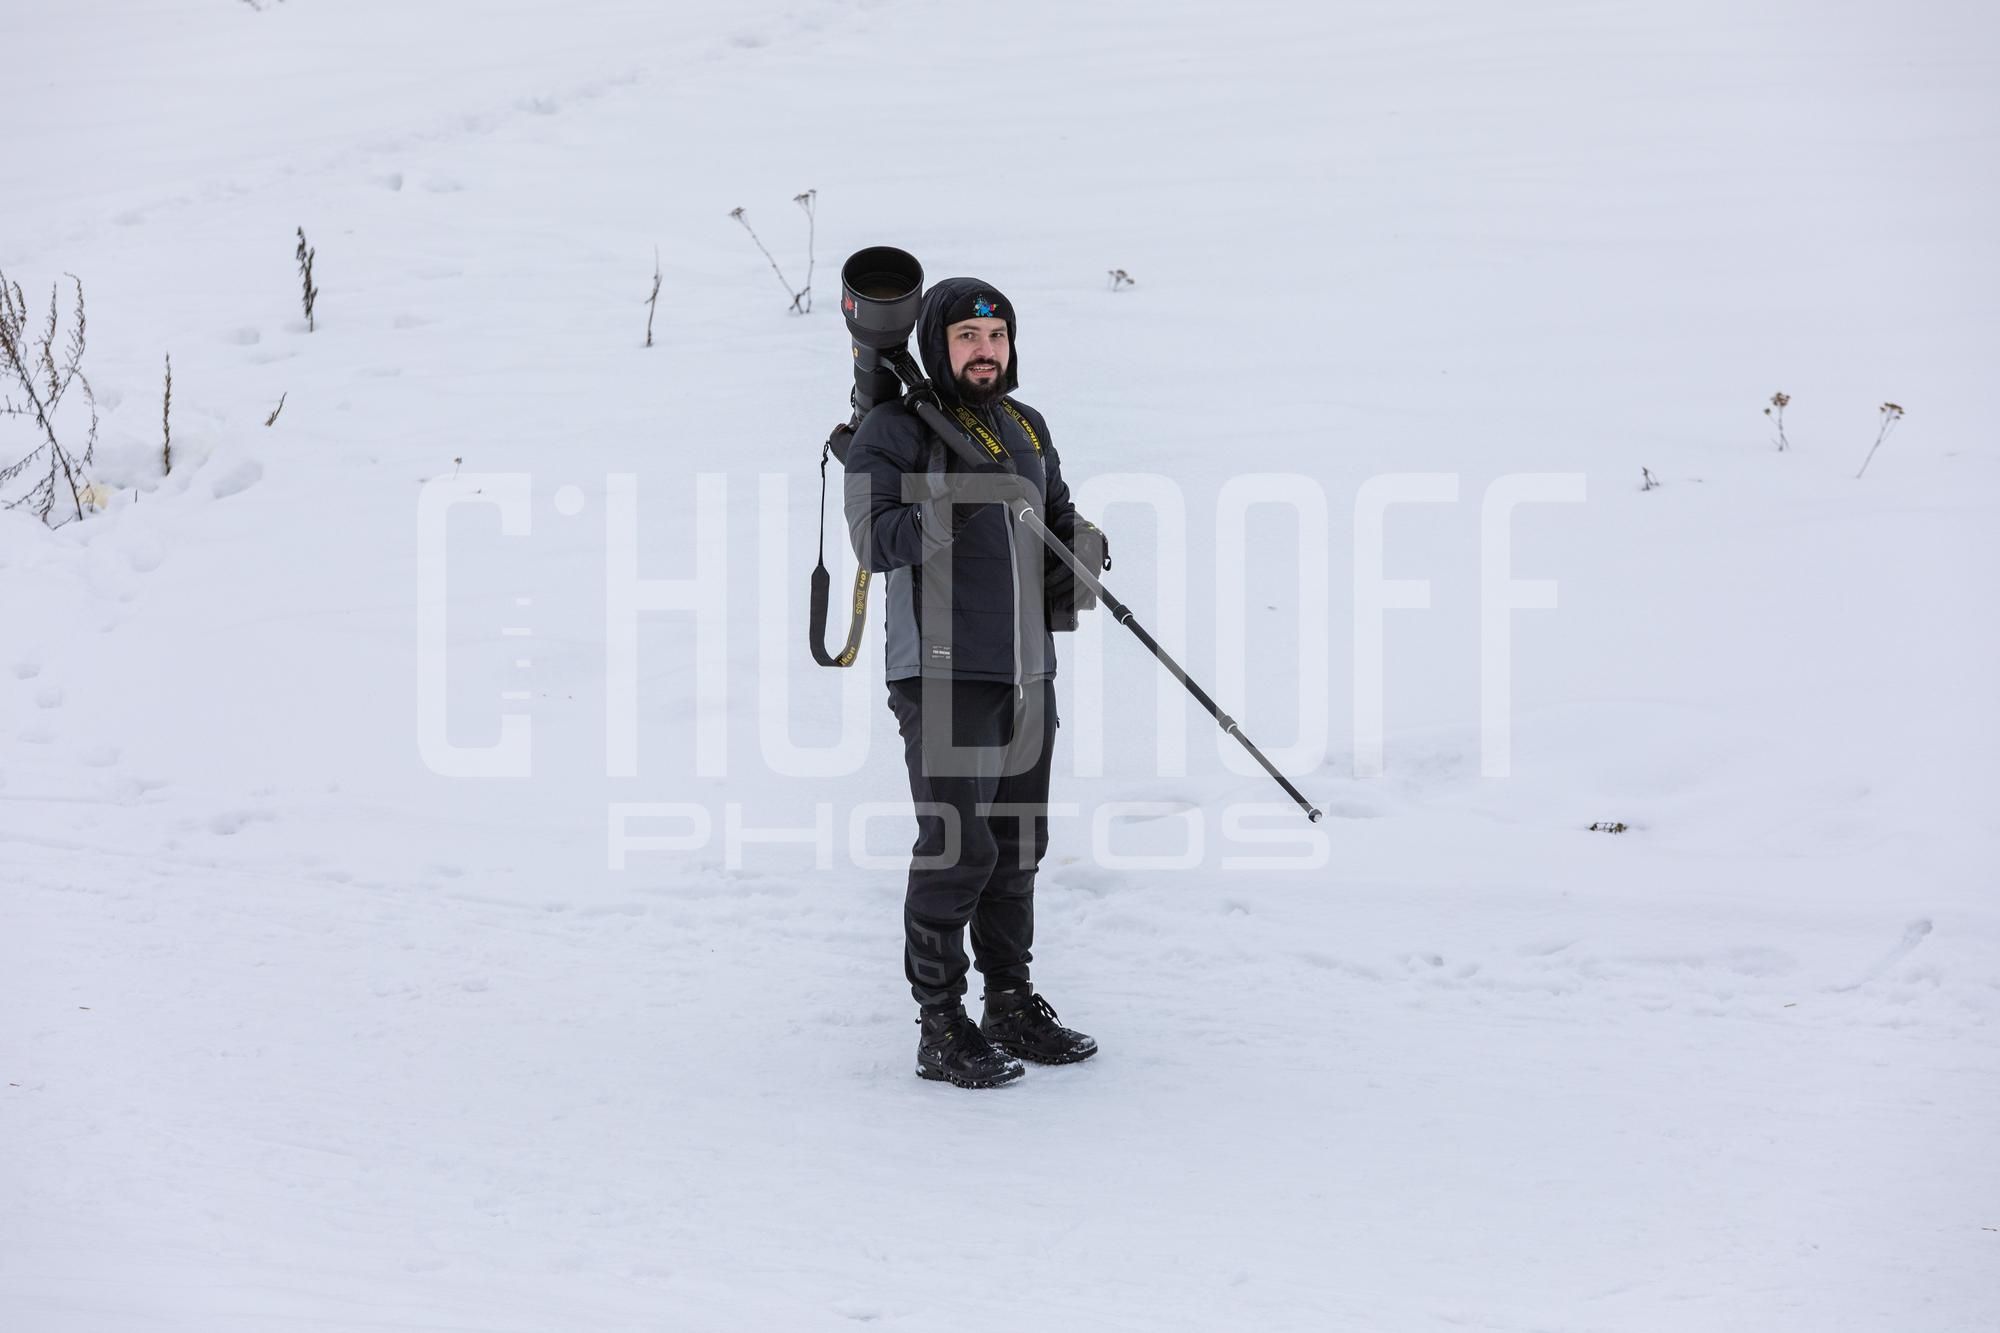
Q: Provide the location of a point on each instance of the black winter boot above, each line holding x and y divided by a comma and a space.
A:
1021, 1023
953, 1050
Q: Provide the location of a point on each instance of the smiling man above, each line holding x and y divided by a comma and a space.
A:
981, 352
971, 670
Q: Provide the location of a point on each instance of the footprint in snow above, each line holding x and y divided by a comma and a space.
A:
1913, 935
1329, 963
1760, 962
238, 479
235, 821
1543, 948
145, 553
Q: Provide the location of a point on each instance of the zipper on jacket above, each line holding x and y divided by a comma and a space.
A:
1014, 572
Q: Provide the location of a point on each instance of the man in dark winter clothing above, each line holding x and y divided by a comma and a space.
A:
971, 670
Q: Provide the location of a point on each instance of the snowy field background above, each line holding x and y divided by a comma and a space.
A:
298, 1033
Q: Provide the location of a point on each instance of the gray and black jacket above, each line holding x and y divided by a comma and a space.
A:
969, 608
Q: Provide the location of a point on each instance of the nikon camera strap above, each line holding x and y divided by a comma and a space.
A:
822, 582
977, 429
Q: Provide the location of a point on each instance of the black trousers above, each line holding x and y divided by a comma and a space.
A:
981, 790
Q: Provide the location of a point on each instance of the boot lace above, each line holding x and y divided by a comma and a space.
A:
966, 1035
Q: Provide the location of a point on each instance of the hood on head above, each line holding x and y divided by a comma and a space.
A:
942, 296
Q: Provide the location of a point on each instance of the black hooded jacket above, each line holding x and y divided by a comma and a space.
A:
970, 607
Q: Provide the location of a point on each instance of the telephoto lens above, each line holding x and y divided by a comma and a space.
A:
879, 291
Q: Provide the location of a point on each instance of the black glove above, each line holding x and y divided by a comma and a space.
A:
1058, 582
1059, 589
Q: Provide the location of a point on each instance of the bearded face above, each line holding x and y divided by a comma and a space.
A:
979, 355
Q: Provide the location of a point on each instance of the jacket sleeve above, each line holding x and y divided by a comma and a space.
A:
1062, 517
887, 531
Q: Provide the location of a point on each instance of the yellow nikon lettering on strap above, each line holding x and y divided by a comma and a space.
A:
986, 437
1033, 438
858, 618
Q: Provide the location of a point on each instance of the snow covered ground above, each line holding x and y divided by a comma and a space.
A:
298, 1031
